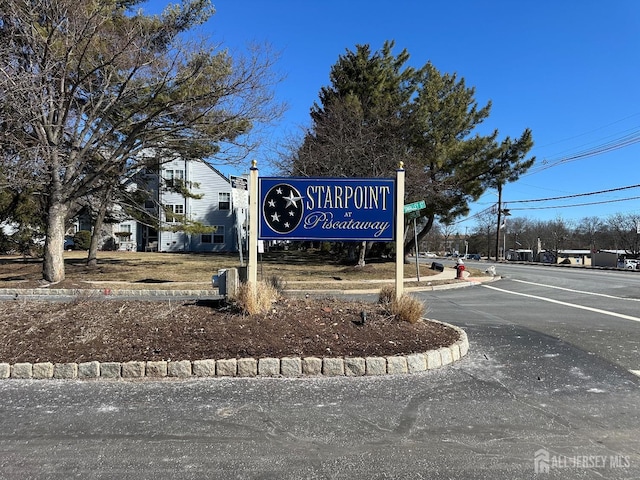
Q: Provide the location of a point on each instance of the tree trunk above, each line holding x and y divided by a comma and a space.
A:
363, 253
92, 259
351, 252
53, 265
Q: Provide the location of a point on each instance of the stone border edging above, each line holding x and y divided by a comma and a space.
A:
289, 367
94, 293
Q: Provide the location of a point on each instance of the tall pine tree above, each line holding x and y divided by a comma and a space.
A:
378, 111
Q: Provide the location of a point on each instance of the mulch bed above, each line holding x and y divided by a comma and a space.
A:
113, 330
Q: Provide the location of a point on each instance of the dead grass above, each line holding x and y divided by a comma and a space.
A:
386, 295
191, 271
407, 309
254, 300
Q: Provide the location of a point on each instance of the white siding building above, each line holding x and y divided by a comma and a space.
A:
212, 209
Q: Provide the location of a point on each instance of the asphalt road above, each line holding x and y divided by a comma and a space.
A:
548, 378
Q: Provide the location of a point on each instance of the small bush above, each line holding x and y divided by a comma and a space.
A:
278, 283
256, 300
407, 308
82, 239
386, 295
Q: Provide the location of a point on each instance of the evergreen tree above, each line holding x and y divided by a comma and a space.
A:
378, 111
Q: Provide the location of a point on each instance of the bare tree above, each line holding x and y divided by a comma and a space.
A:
626, 231
590, 229
87, 86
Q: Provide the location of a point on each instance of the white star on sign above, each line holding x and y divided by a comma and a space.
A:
291, 199
272, 203
275, 217
279, 191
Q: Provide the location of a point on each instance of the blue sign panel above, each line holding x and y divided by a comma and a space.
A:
326, 209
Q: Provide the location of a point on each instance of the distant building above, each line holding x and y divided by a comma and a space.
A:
568, 257
519, 255
210, 205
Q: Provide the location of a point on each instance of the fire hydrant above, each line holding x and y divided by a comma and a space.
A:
459, 270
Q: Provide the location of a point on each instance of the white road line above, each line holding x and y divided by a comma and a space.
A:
581, 307
577, 291
635, 372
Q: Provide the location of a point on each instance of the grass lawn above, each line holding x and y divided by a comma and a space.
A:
313, 269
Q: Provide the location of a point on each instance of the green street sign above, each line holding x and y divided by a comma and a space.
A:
414, 207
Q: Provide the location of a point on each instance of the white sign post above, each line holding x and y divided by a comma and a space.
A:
252, 262
399, 230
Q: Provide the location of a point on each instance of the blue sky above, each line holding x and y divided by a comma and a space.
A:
569, 70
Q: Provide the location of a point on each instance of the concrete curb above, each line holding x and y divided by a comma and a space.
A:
286, 367
110, 293
92, 293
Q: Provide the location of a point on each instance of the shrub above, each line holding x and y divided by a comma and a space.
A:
82, 239
407, 308
278, 283
386, 295
256, 300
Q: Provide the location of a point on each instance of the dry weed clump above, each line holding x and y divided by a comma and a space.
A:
386, 295
278, 283
256, 300
405, 308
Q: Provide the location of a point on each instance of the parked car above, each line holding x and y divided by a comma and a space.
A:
428, 254
631, 264
473, 256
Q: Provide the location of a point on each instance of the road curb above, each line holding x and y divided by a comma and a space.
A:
111, 293
285, 367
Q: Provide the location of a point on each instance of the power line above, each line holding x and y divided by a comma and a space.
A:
476, 215
577, 204
618, 189
591, 131
606, 147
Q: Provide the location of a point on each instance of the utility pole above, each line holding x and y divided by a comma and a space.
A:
499, 218
506, 213
466, 244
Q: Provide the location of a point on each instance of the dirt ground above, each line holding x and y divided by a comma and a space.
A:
89, 329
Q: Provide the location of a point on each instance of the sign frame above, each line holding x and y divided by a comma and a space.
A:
327, 209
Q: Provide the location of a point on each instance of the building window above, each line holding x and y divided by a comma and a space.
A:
216, 238
218, 235
224, 201
174, 209
173, 176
